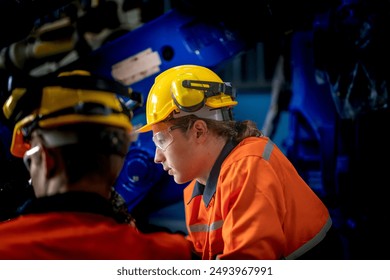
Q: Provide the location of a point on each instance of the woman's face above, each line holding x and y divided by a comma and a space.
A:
178, 152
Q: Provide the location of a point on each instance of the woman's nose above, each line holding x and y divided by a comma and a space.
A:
158, 156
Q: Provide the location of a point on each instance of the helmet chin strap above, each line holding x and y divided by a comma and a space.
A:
219, 114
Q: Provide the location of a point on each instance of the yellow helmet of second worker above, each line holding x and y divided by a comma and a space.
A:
71, 98
187, 89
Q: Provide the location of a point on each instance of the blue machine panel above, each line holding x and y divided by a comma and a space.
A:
169, 40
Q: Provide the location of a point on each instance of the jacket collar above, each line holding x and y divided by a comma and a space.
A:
71, 201
208, 191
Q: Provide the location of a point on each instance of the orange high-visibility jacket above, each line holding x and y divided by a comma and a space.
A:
76, 235
254, 206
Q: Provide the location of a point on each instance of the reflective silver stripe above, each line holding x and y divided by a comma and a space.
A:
206, 228
313, 242
268, 150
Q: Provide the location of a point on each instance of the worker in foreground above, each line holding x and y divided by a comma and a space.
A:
73, 132
245, 199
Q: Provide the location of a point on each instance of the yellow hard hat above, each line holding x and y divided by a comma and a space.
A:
71, 98
188, 89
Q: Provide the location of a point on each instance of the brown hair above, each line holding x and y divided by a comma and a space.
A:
234, 130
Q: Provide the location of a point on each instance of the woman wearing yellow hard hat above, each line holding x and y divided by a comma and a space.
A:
245, 200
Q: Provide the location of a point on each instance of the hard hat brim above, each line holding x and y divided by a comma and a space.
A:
145, 128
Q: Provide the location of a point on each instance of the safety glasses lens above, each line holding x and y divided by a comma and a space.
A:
162, 139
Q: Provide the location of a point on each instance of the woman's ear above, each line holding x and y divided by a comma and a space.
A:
200, 128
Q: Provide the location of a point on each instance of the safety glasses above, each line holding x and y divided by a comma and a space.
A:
164, 138
28, 155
